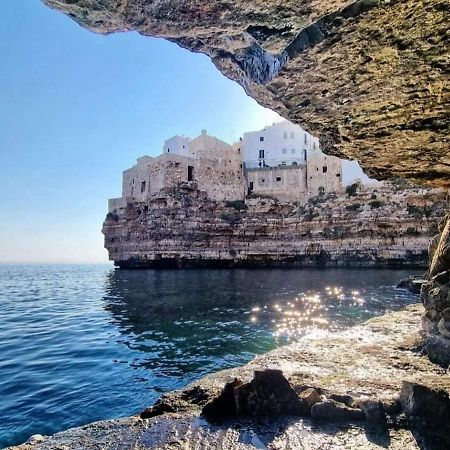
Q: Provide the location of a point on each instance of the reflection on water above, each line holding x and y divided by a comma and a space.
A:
84, 343
199, 321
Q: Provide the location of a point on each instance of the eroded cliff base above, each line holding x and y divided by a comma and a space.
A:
388, 226
380, 361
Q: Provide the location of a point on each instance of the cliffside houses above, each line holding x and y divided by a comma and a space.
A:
282, 161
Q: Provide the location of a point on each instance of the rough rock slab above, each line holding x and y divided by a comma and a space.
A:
369, 77
367, 361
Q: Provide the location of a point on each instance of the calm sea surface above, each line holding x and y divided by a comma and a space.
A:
84, 343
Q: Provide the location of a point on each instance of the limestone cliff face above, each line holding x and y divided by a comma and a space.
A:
182, 227
369, 77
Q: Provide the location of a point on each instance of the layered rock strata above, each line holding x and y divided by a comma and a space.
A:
181, 227
369, 77
354, 373
435, 296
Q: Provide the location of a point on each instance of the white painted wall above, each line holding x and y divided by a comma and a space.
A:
280, 143
177, 145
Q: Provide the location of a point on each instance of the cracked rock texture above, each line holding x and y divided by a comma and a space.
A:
181, 227
368, 77
435, 296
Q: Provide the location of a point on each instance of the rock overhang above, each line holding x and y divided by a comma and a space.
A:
370, 77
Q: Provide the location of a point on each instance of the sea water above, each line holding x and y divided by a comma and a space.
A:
80, 343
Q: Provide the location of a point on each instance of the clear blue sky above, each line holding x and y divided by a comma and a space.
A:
76, 109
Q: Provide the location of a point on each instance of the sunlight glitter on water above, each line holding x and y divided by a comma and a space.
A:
308, 312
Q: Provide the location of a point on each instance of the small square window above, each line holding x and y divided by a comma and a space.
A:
263, 180
284, 151
293, 151
278, 178
261, 139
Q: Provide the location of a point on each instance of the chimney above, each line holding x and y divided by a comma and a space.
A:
204, 132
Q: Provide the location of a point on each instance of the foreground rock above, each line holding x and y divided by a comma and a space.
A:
391, 225
370, 362
435, 296
369, 77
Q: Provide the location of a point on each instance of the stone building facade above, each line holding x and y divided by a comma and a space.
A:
213, 165
320, 174
225, 173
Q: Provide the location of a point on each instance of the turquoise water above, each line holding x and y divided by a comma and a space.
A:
84, 343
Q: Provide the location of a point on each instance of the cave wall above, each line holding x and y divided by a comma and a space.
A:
369, 77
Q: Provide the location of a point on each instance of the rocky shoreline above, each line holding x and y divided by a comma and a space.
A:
378, 365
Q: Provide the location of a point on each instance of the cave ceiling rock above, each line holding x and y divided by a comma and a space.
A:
369, 77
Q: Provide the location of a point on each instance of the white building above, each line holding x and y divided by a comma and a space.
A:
177, 145
282, 144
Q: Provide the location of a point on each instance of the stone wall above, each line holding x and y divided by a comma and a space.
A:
297, 182
286, 183
324, 174
182, 227
133, 178
218, 169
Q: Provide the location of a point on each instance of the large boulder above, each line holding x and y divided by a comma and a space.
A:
267, 394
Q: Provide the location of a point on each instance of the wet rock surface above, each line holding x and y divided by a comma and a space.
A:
370, 362
412, 284
369, 77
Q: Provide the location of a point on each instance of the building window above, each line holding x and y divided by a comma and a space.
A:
261, 139
338, 175
294, 163
190, 173
293, 151
261, 154
314, 145
142, 186
133, 180
324, 169
304, 154
168, 150
292, 135
306, 138
284, 151
263, 180
285, 134
278, 178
